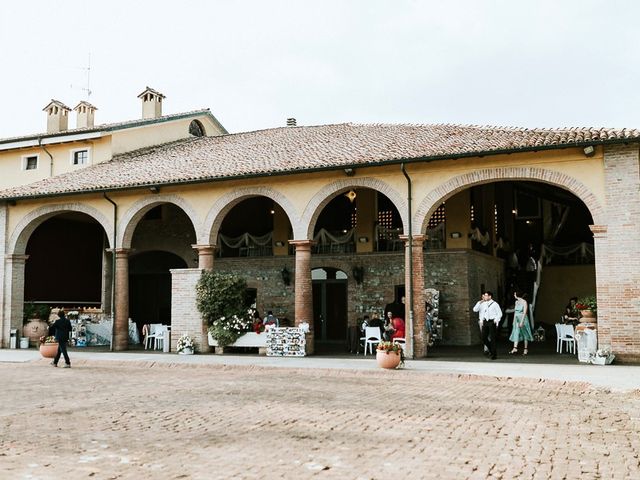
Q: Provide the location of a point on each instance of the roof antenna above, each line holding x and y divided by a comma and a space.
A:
87, 87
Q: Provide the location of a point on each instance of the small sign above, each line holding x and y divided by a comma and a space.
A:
286, 342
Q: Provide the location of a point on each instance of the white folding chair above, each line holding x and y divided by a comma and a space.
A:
568, 336
372, 337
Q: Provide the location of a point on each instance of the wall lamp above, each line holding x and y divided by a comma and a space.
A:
154, 189
456, 235
589, 151
279, 244
286, 276
358, 274
363, 239
349, 172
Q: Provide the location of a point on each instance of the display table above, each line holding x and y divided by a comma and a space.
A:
100, 333
286, 342
587, 340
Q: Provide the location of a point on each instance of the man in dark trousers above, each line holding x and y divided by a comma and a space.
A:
61, 329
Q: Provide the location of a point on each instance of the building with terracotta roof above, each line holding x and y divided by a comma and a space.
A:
326, 223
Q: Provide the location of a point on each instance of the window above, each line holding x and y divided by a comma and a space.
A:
31, 163
196, 129
80, 157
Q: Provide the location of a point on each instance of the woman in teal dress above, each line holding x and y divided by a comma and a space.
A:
521, 325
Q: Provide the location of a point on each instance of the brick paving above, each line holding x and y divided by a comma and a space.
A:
106, 420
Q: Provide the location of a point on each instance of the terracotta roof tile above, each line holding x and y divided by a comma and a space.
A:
290, 149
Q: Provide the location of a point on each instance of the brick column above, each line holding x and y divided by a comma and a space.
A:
205, 256
13, 296
416, 346
618, 254
121, 328
303, 288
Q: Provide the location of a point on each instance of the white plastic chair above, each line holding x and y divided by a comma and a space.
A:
158, 342
566, 335
372, 337
152, 335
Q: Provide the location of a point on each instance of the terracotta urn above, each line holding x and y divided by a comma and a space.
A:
48, 350
387, 359
35, 329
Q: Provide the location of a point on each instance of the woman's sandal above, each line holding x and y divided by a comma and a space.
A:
525, 352
513, 351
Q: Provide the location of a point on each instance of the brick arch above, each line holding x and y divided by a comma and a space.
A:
478, 177
328, 192
127, 225
209, 233
31, 221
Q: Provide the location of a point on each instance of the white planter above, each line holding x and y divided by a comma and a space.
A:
249, 339
186, 351
602, 360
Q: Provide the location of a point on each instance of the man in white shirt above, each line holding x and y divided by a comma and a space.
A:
490, 315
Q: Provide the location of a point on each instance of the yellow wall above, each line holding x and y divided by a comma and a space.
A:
299, 189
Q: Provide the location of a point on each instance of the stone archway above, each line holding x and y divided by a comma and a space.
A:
211, 226
323, 197
18, 241
461, 182
128, 223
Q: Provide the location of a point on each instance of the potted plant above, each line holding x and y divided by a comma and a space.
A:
185, 345
587, 306
48, 346
389, 355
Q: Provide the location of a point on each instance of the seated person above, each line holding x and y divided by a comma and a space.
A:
270, 319
571, 314
398, 328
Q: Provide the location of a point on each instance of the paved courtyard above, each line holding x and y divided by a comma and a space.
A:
107, 420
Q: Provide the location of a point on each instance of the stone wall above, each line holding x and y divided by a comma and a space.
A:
458, 274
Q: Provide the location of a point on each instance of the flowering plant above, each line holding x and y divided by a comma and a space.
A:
226, 330
44, 340
603, 352
184, 342
391, 347
587, 303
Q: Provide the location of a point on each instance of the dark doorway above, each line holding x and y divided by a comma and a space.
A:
329, 309
150, 286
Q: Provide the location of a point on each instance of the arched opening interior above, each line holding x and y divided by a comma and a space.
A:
66, 262
359, 220
255, 227
162, 240
150, 286
523, 235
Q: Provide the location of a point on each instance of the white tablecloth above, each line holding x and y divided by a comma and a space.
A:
100, 333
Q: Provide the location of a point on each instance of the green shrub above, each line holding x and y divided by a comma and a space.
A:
221, 298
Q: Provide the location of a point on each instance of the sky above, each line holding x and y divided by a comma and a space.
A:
559, 63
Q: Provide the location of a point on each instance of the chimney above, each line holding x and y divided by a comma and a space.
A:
151, 103
291, 122
57, 116
84, 114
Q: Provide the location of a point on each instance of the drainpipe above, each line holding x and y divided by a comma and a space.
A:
409, 294
113, 269
50, 156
